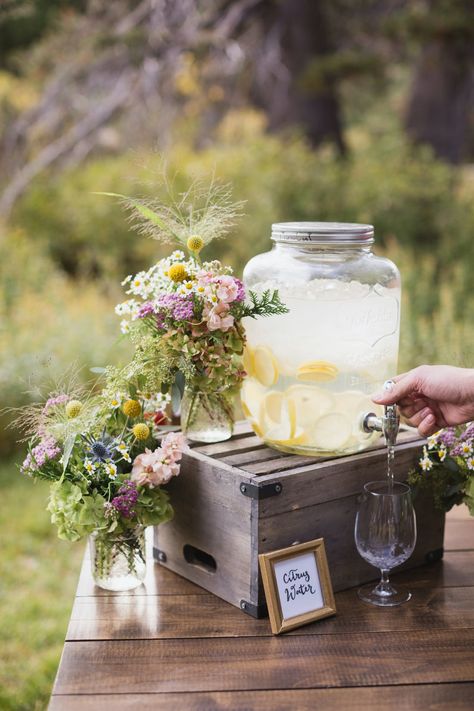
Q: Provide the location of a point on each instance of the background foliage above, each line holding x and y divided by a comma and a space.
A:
311, 109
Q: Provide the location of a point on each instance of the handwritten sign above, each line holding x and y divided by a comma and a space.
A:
297, 585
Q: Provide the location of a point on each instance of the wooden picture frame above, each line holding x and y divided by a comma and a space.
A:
297, 592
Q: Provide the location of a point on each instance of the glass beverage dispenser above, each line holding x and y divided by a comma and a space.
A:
311, 371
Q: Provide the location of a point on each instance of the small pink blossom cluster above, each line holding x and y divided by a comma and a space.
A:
46, 450
157, 467
219, 293
54, 402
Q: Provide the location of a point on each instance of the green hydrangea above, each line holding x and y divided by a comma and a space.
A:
74, 513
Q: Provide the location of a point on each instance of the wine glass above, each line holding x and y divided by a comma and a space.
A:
385, 536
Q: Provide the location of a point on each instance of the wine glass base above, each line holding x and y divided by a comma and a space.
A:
391, 598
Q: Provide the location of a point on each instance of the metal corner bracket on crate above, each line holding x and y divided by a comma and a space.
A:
434, 556
253, 491
258, 611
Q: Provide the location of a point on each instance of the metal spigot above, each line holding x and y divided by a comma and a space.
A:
389, 423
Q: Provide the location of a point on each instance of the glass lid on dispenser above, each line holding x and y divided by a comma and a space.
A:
323, 233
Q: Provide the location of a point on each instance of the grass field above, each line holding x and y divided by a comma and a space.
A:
38, 577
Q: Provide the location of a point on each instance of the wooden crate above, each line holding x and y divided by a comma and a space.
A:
236, 499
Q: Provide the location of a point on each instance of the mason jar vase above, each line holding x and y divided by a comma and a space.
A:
118, 561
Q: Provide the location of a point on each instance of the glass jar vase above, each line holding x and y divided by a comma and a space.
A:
118, 561
206, 417
311, 371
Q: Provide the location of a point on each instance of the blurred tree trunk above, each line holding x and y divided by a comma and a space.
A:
301, 30
441, 104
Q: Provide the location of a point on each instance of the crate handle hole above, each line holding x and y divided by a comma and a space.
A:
199, 558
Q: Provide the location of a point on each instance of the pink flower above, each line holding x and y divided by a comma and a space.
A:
153, 468
172, 445
227, 289
218, 317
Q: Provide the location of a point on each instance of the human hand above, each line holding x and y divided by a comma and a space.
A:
432, 396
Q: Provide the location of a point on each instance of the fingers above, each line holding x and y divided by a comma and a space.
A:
426, 420
419, 417
406, 385
408, 408
428, 426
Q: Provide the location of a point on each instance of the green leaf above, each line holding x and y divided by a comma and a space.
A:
450, 464
68, 447
180, 381
144, 211
175, 399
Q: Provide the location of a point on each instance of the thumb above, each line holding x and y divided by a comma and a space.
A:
394, 390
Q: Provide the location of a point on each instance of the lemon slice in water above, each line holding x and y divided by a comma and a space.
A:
265, 366
272, 405
247, 360
318, 371
332, 431
282, 435
251, 395
310, 403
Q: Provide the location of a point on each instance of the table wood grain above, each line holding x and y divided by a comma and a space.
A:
171, 645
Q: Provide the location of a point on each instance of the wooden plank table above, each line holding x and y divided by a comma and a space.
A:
171, 645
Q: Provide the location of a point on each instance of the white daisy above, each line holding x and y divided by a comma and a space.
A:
125, 326
110, 469
442, 452
89, 466
470, 463
426, 464
466, 448
122, 448
178, 255
115, 401
121, 309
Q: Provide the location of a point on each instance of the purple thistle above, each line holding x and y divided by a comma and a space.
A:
126, 499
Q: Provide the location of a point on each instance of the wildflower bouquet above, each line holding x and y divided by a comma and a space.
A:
185, 315
447, 466
102, 454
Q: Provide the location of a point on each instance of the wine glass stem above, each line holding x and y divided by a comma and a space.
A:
384, 587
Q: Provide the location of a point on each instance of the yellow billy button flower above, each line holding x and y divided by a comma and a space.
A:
131, 408
141, 431
73, 408
177, 272
195, 243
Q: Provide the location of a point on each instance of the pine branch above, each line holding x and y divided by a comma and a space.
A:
266, 304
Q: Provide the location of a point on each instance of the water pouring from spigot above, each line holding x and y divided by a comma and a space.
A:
388, 423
